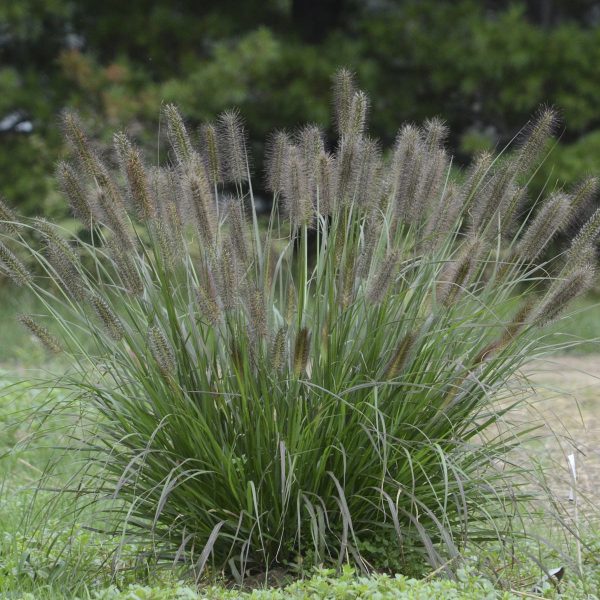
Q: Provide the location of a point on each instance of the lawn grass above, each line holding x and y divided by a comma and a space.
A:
579, 329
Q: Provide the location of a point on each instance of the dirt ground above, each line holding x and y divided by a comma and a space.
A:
568, 398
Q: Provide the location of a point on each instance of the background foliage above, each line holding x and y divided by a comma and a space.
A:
484, 66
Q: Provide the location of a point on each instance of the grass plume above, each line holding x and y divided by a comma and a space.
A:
41, 333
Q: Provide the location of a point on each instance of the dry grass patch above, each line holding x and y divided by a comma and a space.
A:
568, 399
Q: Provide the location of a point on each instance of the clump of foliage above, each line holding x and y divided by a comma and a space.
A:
298, 390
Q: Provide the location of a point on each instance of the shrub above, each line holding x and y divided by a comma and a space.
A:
316, 387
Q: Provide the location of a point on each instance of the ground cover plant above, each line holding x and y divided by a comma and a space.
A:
333, 384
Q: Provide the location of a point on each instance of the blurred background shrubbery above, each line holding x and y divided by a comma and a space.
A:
483, 65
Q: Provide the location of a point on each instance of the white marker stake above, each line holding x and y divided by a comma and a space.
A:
573, 498
571, 459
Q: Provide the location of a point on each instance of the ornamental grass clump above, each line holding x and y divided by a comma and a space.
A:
315, 383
